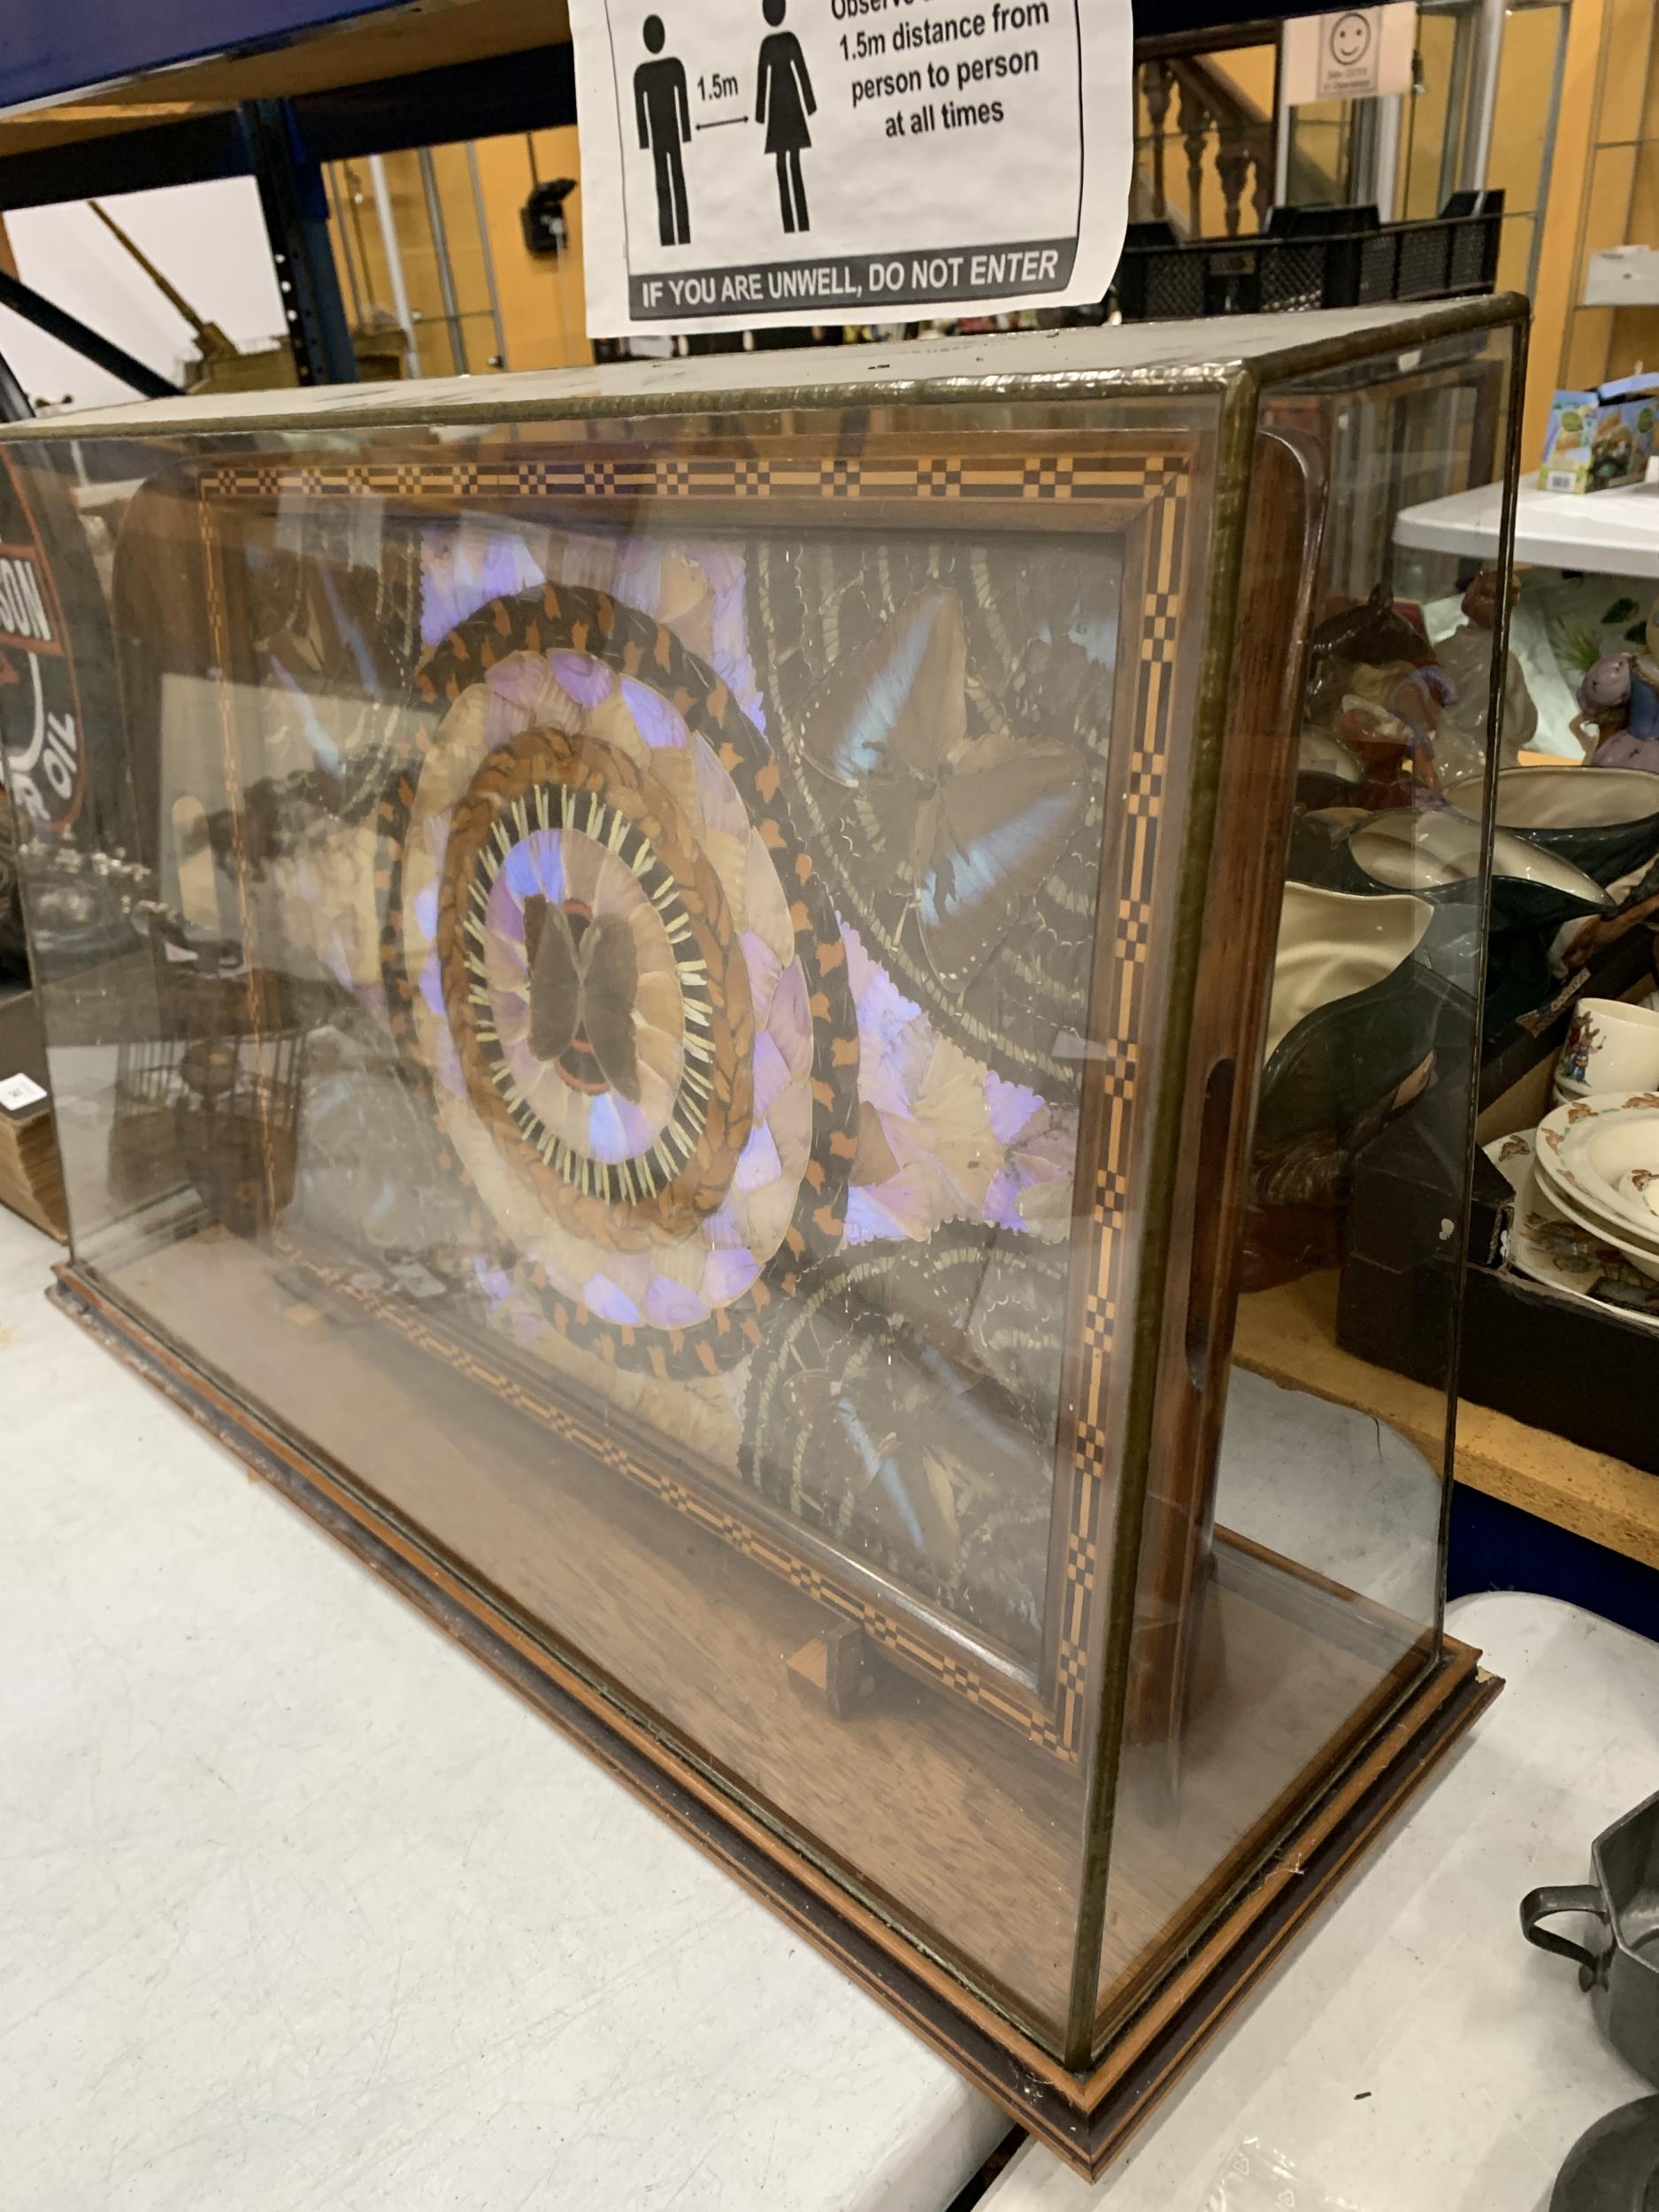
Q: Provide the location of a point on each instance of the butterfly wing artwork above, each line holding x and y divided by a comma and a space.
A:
973, 826
583, 994
882, 1472
610, 985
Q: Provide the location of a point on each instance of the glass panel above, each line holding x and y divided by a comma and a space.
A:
1284, 1608
1321, 144
600, 1047
657, 997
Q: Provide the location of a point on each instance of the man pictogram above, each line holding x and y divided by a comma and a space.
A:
664, 114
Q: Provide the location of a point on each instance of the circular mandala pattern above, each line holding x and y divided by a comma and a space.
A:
613, 970
568, 825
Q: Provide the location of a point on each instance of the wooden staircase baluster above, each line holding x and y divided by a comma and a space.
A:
1193, 120
1157, 84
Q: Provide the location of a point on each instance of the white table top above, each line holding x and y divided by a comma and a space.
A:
1605, 534
300, 1912
1413, 2054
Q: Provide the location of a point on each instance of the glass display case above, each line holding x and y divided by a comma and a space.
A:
706, 1017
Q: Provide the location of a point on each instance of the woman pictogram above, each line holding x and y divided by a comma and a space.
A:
784, 102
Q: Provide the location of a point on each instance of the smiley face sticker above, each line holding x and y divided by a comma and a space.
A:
1350, 37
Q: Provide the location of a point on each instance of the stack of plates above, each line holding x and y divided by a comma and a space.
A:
1546, 1246
1598, 1161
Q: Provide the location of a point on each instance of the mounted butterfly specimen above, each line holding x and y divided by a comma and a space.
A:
972, 825
338, 635
904, 1404
584, 980
906, 1443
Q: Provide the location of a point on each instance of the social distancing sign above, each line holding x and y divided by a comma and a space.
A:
749, 163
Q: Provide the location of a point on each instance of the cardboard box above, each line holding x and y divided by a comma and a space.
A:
1600, 438
31, 1175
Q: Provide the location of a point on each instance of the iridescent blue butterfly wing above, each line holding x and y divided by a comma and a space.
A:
1000, 833
895, 706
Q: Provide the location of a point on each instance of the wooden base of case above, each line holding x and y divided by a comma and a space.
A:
1084, 2117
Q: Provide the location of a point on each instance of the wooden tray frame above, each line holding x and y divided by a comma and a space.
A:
1084, 2117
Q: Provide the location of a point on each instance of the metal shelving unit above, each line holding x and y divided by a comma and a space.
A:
300, 83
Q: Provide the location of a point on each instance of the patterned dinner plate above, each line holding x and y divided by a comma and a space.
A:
1558, 1253
1568, 1162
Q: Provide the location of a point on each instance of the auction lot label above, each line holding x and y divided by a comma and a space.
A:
749, 163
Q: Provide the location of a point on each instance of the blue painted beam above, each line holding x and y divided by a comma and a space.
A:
49, 47
533, 92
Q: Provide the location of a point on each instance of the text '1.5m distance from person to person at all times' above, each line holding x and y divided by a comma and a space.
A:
842, 160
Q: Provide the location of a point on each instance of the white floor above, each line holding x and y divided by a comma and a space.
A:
301, 1912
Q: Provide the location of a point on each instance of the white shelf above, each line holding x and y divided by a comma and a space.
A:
1605, 534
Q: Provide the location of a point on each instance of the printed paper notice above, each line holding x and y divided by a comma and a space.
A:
1354, 54
749, 163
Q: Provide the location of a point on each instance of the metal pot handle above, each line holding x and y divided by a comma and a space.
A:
1543, 1904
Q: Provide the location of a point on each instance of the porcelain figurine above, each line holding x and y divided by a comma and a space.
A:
1465, 656
1644, 697
1373, 633
1604, 688
1618, 700
1397, 758
1624, 749
1374, 683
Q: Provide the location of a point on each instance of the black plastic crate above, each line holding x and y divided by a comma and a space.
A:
1311, 256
